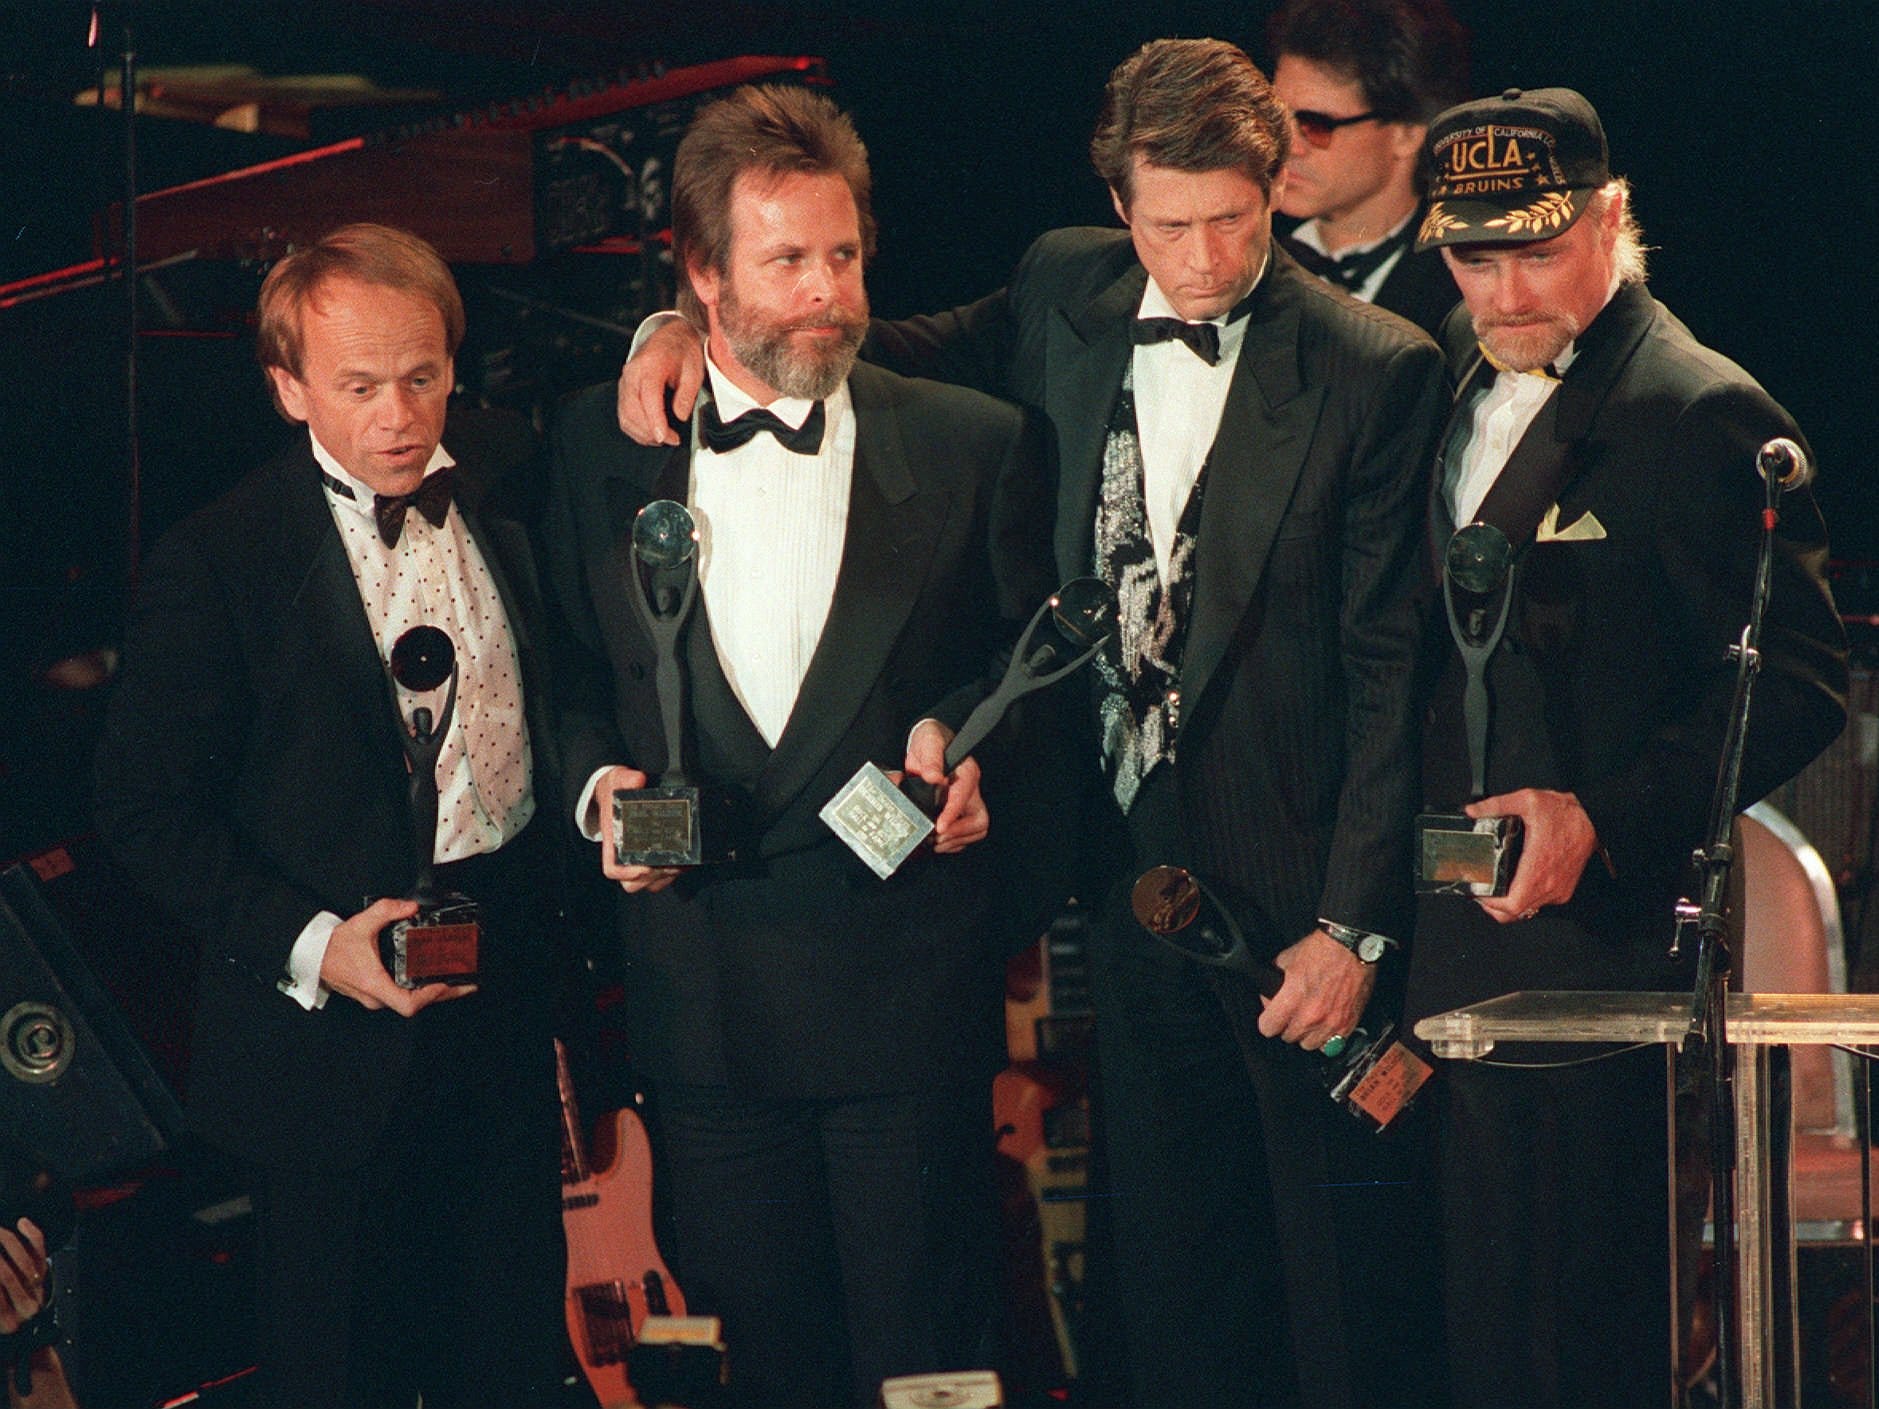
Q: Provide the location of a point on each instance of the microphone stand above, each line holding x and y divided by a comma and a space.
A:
1706, 1053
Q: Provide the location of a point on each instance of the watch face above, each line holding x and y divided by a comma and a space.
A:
1370, 948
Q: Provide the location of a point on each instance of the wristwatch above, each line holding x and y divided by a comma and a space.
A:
1366, 946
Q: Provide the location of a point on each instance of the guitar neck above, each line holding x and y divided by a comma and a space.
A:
574, 1166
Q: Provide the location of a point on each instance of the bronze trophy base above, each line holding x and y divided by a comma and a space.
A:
1461, 855
439, 944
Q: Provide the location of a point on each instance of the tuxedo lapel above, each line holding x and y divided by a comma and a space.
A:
1087, 350
1257, 455
326, 597
1441, 520
885, 552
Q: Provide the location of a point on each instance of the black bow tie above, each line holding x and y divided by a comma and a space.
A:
720, 436
1352, 270
1203, 338
432, 498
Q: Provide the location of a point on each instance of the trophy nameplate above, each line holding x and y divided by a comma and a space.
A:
437, 945
880, 823
1380, 1080
884, 823
657, 826
1461, 855
441, 943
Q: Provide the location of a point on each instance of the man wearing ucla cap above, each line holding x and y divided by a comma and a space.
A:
1618, 457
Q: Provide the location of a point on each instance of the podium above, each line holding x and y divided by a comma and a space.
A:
1764, 1026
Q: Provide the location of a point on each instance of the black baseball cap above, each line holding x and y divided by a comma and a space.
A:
1512, 169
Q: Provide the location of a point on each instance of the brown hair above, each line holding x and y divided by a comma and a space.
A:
774, 129
1190, 105
372, 254
1410, 57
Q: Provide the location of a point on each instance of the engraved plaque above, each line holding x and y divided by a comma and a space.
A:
657, 826
877, 820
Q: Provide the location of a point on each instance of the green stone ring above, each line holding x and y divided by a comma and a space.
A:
1334, 1046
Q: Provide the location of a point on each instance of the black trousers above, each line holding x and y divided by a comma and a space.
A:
841, 1241
1556, 1234
438, 1265
1268, 1249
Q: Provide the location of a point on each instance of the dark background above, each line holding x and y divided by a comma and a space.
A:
1746, 130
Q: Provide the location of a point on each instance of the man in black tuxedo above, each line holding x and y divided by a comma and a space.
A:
252, 780
1363, 78
1243, 454
1618, 457
819, 1042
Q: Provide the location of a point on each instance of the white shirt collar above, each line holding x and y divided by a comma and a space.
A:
1306, 233
362, 493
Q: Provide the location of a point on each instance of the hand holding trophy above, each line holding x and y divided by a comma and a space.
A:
883, 823
1373, 1077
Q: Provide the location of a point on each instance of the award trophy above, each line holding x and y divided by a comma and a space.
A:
439, 943
663, 825
883, 823
1457, 854
1374, 1078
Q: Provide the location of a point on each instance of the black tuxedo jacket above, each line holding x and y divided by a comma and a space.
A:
1421, 289
796, 971
1613, 682
1296, 765
250, 776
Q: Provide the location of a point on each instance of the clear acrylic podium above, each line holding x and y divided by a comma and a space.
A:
1762, 1026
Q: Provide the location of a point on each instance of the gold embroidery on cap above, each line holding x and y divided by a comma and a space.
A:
1438, 222
1549, 212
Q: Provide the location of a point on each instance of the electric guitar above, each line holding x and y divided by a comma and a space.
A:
615, 1276
1041, 1114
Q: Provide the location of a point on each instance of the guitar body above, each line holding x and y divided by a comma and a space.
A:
616, 1277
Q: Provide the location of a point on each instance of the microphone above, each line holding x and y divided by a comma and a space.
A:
1784, 463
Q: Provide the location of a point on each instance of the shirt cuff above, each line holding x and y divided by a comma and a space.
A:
649, 325
586, 809
302, 983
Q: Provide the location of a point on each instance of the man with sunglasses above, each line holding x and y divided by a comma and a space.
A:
1363, 78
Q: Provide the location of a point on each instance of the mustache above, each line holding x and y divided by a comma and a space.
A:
844, 322
1534, 320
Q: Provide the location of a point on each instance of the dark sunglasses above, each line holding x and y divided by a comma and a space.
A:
1319, 128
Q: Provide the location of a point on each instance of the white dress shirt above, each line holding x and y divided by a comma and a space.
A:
435, 575
771, 527
1485, 440
1178, 401
771, 524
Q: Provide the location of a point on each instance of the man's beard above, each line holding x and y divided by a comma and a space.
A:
1529, 346
770, 352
